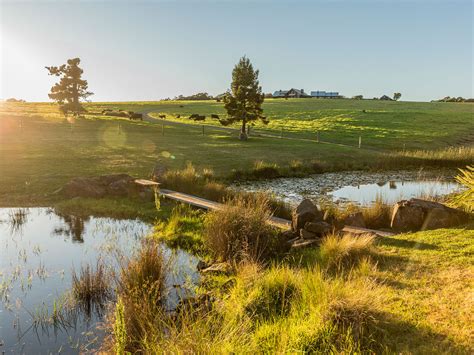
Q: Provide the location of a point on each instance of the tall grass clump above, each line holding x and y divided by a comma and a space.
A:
343, 253
141, 289
240, 230
378, 214
91, 287
465, 199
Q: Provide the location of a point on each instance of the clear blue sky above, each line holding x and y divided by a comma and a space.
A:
150, 50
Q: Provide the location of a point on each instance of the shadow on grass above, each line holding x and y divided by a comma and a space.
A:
398, 336
409, 244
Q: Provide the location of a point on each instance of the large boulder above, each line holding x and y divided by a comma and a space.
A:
305, 212
83, 187
417, 214
97, 187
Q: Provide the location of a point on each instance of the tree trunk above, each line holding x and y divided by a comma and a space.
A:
243, 132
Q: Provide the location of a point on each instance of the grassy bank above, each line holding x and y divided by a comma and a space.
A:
41, 150
403, 294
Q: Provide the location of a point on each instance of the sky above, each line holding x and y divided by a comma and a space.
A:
149, 50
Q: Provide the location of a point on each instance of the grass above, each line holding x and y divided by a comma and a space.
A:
41, 150
91, 288
404, 294
240, 231
465, 199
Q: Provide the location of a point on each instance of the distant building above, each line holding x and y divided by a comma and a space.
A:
386, 98
324, 94
292, 93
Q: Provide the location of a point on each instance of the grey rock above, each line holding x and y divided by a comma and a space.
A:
305, 212
307, 235
318, 228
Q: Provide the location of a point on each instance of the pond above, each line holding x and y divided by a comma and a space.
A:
362, 188
38, 251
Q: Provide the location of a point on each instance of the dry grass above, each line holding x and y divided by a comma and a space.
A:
240, 230
465, 199
343, 253
141, 291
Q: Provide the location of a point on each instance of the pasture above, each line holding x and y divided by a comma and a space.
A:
41, 149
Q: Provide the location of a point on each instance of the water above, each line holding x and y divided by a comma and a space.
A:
358, 187
37, 256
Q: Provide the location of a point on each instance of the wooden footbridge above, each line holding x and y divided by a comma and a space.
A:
199, 202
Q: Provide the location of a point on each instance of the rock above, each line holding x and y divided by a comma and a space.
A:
83, 187
318, 228
305, 212
218, 268
355, 220
416, 214
302, 243
97, 187
201, 265
307, 235
289, 235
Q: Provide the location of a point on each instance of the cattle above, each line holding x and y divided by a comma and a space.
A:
178, 116
199, 118
193, 116
136, 116
162, 116
215, 116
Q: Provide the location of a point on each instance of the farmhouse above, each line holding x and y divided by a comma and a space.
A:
324, 94
292, 93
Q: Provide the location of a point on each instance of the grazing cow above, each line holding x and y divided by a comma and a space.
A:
215, 116
178, 116
199, 118
193, 116
136, 116
162, 116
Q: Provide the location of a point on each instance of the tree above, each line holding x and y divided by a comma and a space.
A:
71, 88
244, 102
396, 96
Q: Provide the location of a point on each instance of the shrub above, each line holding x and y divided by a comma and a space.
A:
341, 253
240, 230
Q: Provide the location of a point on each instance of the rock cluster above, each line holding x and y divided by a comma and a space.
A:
118, 185
307, 221
417, 214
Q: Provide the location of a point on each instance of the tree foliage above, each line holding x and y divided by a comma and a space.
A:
71, 88
397, 96
244, 102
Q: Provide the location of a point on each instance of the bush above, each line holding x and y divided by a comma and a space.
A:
240, 230
341, 253
262, 170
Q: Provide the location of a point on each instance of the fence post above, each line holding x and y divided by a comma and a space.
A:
202, 129
360, 141
317, 136
281, 132
162, 129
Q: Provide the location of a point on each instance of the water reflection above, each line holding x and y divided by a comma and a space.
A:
36, 270
359, 187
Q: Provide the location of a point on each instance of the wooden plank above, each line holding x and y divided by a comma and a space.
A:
212, 205
144, 182
360, 230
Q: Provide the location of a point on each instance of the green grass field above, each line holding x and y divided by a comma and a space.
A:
40, 149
